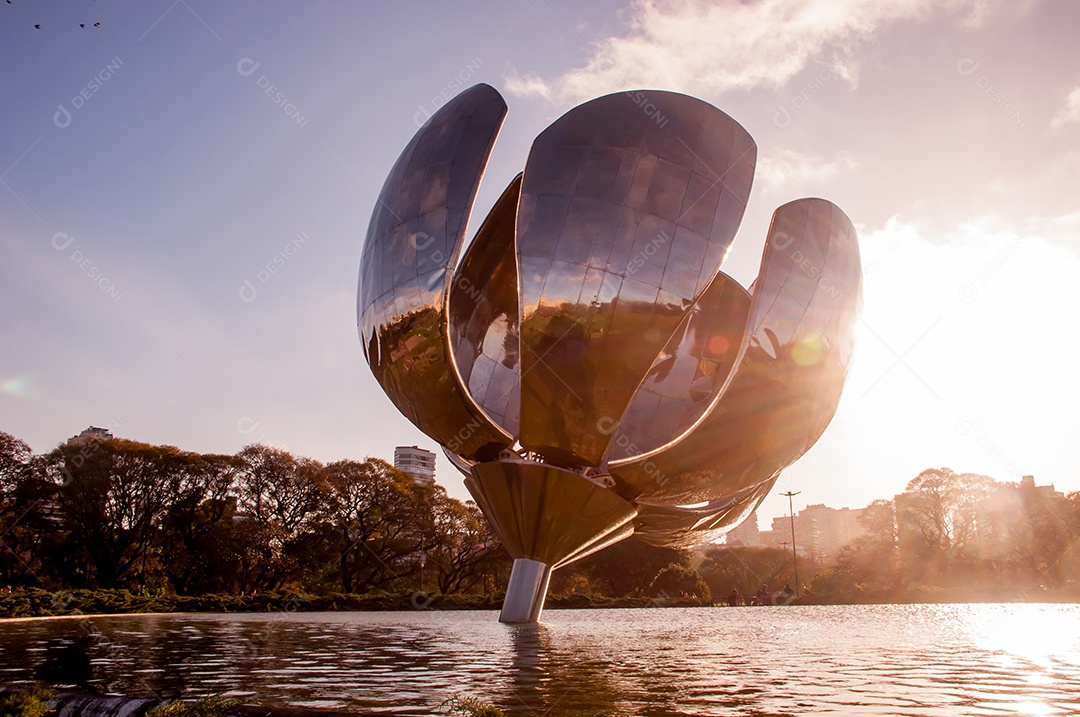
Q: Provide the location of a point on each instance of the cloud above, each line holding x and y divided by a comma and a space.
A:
789, 168
713, 47
526, 86
1071, 111
1068, 223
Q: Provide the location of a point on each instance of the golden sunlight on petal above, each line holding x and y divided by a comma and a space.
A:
807, 352
718, 345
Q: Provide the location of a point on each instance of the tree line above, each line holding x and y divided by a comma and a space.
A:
109, 513
948, 536
112, 513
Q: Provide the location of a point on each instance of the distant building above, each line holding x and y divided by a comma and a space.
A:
1007, 516
746, 534
92, 433
1000, 520
833, 528
820, 531
1027, 486
417, 462
780, 534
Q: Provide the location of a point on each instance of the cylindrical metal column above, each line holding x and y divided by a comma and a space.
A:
526, 592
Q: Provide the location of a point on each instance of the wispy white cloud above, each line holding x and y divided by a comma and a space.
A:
1070, 112
526, 85
1068, 221
711, 47
789, 168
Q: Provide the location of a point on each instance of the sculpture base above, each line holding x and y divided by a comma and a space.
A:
546, 517
526, 591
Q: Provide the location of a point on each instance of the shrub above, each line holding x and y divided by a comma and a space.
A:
215, 706
680, 581
30, 702
469, 707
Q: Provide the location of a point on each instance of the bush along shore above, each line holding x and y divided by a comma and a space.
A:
33, 602
43, 700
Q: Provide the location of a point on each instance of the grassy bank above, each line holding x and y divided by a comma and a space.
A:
40, 603
44, 700
43, 603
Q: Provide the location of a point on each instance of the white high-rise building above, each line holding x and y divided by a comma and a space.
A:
417, 462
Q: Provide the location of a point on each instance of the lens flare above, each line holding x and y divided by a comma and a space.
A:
17, 386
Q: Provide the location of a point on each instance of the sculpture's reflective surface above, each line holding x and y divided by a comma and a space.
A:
587, 364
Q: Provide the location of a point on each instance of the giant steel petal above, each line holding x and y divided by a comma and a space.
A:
628, 205
688, 374
687, 526
483, 314
413, 240
787, 381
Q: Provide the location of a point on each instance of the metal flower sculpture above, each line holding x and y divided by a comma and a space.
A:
586, 364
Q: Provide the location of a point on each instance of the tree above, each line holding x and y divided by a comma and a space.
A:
748, 569
680, 581
112, 496
15, 462
1045, 534
23, 528
282, 495
627, 567
465, 551
275, 487
199, 547
867, 568
382, 517
1069, 508
936, 519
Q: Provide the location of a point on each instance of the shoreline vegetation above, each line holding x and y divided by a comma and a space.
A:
103, 525
36, 603
43, 699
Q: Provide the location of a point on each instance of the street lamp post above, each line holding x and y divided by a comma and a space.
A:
794, 555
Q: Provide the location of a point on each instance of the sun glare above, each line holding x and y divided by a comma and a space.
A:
1026, 632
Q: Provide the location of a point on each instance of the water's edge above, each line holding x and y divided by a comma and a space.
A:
74, 703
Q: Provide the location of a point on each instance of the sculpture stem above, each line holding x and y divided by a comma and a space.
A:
526, 592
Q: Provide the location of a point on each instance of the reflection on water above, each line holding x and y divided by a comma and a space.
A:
851, 660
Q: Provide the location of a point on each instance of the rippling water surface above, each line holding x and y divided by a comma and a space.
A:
850, 660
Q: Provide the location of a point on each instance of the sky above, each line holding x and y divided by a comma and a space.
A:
185, 187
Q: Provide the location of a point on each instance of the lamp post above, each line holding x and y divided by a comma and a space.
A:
794, 555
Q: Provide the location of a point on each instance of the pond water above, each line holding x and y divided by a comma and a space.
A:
849, 660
